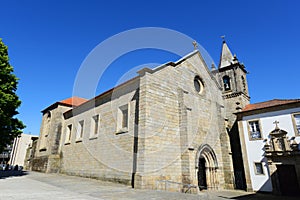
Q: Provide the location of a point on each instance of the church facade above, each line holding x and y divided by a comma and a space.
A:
170, 128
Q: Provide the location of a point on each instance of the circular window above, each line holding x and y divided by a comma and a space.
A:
198, 84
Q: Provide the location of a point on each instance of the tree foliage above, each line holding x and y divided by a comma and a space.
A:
10, 126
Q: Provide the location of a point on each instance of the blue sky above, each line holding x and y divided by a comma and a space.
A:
49, 40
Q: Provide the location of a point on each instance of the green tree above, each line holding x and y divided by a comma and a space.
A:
10, 126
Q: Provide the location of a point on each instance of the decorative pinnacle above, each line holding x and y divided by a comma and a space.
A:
195, 45
213, 67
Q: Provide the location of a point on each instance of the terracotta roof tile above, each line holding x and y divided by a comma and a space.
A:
74, 101
267, 104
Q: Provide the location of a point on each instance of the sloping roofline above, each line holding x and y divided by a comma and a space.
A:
174, 64
69, 102
141, 73
69, 112
269, 106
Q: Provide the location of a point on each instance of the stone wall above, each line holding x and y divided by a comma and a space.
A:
40, 164
109, 154
49, 140
159, 152
175, 121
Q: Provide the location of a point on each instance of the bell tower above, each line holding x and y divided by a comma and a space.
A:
232, 76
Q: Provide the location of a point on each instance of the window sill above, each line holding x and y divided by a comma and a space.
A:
93, 137
259, 174
122, 131
43, 149
78, 140
255, 139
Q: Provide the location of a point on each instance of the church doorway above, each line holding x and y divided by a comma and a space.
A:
202, 174
207, 168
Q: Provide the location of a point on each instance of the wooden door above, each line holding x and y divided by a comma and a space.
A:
288, 181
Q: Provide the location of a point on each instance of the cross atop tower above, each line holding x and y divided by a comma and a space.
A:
223, 38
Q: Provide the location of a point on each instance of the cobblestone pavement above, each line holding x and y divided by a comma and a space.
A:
55, 186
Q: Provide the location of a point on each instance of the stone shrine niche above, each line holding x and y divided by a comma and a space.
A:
278, 141
283, 161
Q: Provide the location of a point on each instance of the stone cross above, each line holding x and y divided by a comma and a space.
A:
276, 122
195, 45
223, 37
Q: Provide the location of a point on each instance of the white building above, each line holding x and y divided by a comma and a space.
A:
269, 133
19, 149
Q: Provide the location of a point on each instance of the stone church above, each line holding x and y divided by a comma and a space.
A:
169, 128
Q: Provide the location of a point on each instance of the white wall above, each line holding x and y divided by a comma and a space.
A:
19, 149
255, 147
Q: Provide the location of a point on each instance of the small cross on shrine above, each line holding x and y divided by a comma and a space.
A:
276, 123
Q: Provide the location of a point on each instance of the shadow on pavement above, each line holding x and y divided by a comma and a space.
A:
246, 197
260, 196
8, 173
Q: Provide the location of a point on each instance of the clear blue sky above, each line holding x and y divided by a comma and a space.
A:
48, 41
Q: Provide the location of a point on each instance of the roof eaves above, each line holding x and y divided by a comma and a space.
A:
271, 108
68, 113
170, 63
55, 105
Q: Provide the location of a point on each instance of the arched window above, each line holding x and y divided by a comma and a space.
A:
226, 82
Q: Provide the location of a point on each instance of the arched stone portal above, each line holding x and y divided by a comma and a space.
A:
207, 165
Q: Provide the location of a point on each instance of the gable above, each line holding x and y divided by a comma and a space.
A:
199, 66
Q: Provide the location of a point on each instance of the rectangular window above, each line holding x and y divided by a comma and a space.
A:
296, 121
254, 130
125, 118
122, 119
258, 168
80, 130
94, 125
68, 133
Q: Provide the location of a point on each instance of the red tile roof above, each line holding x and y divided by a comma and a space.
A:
271, 103
74, 101
70, 102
